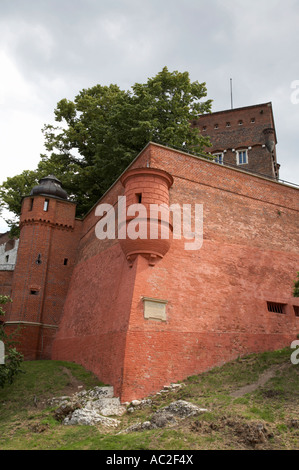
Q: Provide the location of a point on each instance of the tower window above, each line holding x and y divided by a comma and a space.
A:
65, 261
228, 124
240, 123
252, 120
296, 310
31, 204
219, 158
216, 126
6, 258
46, 205
139, 198
242, 157
33, 291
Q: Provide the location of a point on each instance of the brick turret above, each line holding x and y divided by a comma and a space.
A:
44, 264
147, 192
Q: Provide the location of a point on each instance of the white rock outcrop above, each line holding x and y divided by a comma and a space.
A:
89, 407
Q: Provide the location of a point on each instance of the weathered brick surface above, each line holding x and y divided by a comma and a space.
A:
217, 296
255, 120
47, 240
90, 309
96, 315
6, 279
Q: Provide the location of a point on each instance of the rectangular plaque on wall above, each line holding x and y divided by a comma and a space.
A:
154, 309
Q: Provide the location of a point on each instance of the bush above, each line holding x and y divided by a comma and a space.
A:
12, 358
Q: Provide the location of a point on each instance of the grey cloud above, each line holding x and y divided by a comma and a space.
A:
63, 46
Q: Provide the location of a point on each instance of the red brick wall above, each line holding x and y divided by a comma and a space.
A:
5, 282
54, 236
236, 136
6, 278
27, 339
217, 296
96, 315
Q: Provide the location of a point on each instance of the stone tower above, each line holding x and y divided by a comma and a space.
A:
43, 268
243, 138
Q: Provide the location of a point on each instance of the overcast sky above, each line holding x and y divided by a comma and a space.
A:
52, 49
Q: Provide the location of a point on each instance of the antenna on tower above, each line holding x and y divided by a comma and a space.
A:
231, 93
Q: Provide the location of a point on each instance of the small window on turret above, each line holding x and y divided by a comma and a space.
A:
34, 291
46, 205
31, 204
138, 198
65, 261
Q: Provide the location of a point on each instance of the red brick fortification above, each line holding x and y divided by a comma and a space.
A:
6, 279
96, 315
215, 298
46, 256
148, 187
251, 128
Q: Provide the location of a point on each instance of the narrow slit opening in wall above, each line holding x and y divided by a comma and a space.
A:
46, 205
6, 258
65, 261
139, 198
31, 204
275, 307
296, 310
33, 292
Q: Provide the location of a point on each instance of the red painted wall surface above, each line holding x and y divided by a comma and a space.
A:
217, 296
96, 315
53, 235
6, 278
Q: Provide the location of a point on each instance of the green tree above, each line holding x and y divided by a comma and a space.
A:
164, 108
12, 192
12, 358
103, 130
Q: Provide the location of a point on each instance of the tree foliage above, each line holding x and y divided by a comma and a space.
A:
13, 358
99, 133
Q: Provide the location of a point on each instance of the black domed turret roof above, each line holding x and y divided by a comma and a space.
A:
49, 186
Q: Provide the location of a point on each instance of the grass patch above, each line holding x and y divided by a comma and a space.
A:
27, 422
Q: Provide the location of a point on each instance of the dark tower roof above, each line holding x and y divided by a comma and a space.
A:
49, 186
